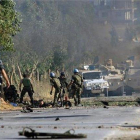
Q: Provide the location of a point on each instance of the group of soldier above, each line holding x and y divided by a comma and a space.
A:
60, 84
62, 87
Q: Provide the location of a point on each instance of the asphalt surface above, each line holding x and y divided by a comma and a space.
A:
98, 123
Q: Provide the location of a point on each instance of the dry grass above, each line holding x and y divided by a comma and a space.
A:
41, 91
7, 106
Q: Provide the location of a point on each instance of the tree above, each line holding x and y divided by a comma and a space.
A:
9, 24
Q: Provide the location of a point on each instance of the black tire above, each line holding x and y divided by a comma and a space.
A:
105, 92
128, 90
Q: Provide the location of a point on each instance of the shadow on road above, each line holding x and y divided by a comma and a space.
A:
48, 117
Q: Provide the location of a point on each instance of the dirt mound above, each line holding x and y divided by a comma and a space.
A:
7, 106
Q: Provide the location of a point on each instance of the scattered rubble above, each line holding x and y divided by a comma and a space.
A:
104, 102
70, 134
26, 109
57, 119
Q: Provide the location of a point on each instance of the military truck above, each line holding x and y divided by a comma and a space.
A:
132, 80
93, 84
132, 76
115, 82
115, 78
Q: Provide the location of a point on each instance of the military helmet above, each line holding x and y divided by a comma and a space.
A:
75, 71
62, 74
52, 74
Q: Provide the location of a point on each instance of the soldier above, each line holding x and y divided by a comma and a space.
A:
3, 74
76, 85
27, 87
64, 84
55, 83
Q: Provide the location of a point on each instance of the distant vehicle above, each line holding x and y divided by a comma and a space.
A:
132, 80
115, 78
93, 84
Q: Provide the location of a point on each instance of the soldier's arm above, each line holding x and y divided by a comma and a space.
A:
71, 82
6, 78
51, 90
66, 83
52, 85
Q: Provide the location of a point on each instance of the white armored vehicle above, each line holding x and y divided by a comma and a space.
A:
93, 84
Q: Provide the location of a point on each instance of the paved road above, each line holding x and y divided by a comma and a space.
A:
82, 120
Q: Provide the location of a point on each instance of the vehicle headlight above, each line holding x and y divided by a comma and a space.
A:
105, 84
88, 84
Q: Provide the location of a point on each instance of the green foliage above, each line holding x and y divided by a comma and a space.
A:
9, 24
61, 34
59, 57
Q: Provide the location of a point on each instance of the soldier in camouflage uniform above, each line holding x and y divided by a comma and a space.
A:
55, 83
27, 87
76, 85
64, 84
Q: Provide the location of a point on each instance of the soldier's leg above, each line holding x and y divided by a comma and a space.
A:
22, 95
75, 96
59, 95
30, 93
79, 95
55, 97
62, 96
1, 91
15, 96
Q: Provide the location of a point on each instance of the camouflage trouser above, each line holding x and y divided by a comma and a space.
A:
63, 91
56, 94
1, 93
76, 93
30, 93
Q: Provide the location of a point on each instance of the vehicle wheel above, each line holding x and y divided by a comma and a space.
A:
119, 92
128, 90
105, 92
110, 93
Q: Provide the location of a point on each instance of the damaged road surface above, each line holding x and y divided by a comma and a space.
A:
97, 123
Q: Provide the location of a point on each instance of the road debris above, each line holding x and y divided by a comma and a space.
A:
106, 107
2, 126
26, 109
30, 133
101, 126
57, 119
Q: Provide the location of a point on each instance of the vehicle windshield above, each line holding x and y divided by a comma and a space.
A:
92, 75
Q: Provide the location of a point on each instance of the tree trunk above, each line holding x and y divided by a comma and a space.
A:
37, 75
11, 76
20, 74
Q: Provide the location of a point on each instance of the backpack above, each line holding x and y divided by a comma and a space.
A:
56, 83
77, 81
11, 93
